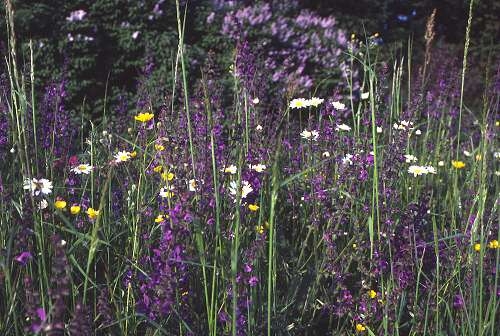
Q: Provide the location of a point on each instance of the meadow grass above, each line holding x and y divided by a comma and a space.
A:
372, 212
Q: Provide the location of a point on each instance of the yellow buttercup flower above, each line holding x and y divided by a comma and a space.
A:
92, 213
75, 209
253, 207
457, 164
133, 154
60, 204
160, 218
477, 247
360, 327
259, 229
144, 117
159, 147
167, 176
157, 169
372, 294
493, 244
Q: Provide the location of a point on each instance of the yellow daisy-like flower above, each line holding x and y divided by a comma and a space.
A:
360, 327
259, 229
144, 117
477, 247
159, 147
493, 244
160, 218
92, 213
372, 294
75, 209
157, 169
60, 204
457, 164
167, 176
253, 207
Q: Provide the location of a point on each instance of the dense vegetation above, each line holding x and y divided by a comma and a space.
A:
248, 168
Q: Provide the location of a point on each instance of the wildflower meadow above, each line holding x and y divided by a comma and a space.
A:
305, 180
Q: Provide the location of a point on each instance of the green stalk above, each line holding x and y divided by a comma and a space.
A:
464, 68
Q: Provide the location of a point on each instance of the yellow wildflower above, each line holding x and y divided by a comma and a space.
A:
457, 164
159, 147
75, 209
60, 204
167, 176
477, 247
360, 327
157, 169
144, 117
259, 229
372, 294
92, 213
159, 218
133, 154
253, 207
493, 244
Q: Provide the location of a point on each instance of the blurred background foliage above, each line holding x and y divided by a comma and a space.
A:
124, 50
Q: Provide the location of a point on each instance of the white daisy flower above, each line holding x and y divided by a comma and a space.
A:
347, 159
418, 132
338, 105
255, 101
410, 158
232, 169
38, 186
122, 156
258, 128
82, 169
43, 204
431, 169
167, 192
259, 168
315, 101
417, 170
192, 185
365, 95
298, 103
342, 127
246, 188
379, 129
326, 154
